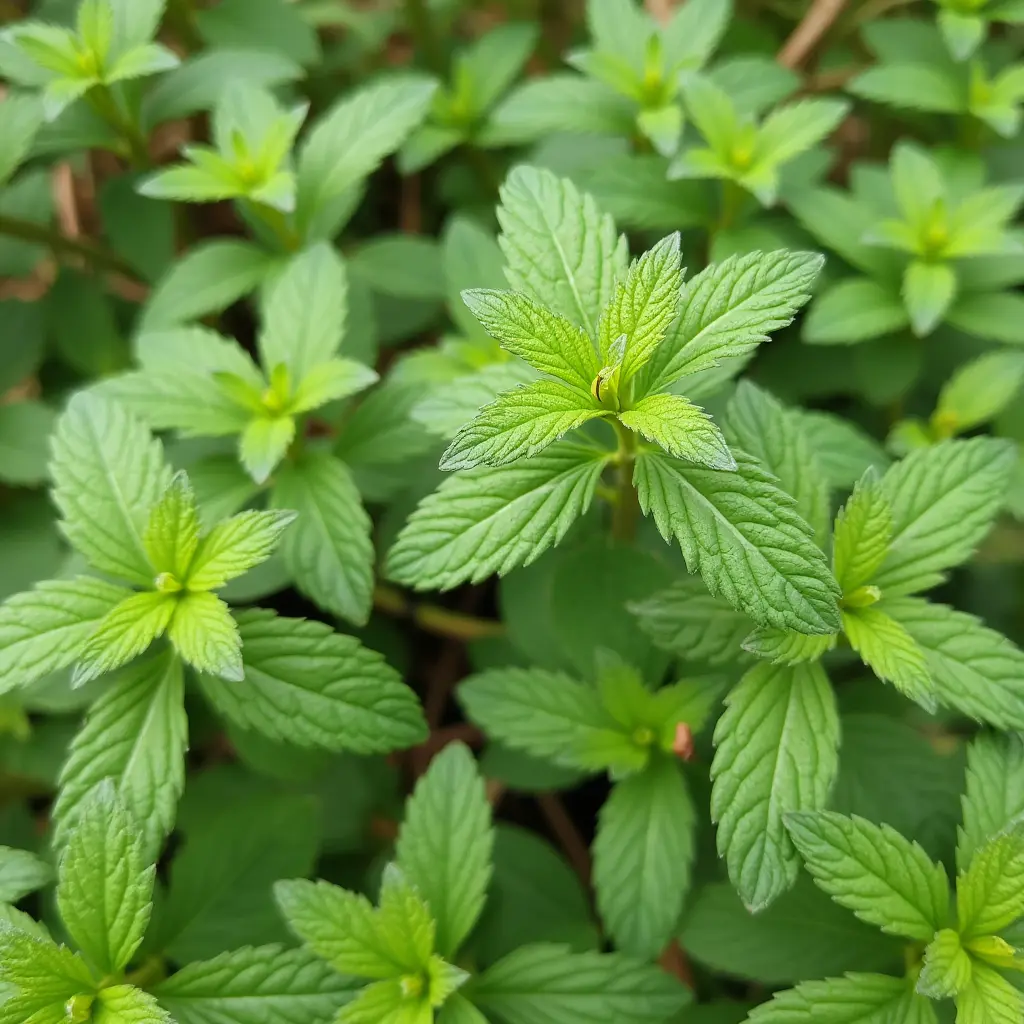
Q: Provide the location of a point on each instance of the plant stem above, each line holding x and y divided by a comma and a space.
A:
626, 509
61, 245
427, 43
434, 619
277, 222
106, 104
148, 973
731, 204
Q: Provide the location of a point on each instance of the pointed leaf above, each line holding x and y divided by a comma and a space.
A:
682, 429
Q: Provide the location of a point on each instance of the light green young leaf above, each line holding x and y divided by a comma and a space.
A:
124, 633
546, 340
206, 636
979, 390
235, 545
44, 629
307, 685
560, 249
682, 429
783, 647
776, 750
108, 473
745, 537
489, 520
689, 622
519, 424
947, 967
943, 501
792, 129
886, 880
547, 982
21, 872
862, 534
643, 307
105, 884
975, 669
458, 1010
853, 999
46, 974
928, 291
126, 1004
304, 313
779, 439
385, 1002
136, 734
445, 843
994, 793
728, 310
350, 140
264, 443
328, 549
643, 852
889, 650
990, 998
990, 893
172, 531
330, 382
144, 60
254, 985
550, 716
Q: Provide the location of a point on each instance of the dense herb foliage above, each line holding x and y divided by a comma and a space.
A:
511, 512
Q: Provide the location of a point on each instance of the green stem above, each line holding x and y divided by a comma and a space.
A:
427, 43
278, 223
105, 103
61, 245
626, 509
151, 972
731, 204
485, 167
433, 619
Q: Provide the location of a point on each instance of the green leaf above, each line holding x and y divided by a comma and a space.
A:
21, 117
943, 501
172, 530
794, 128
979, 390
206, 636
219, 895
550, 716
105, 884
947, 967
560, 249
643, 307
844, 451
990, 998
407, 266
994, 794
782, 647
687, 621
729, 309
108, 472
547, 982
459, 1010
45, 974
253, 985
519, 424
264, 444
21, 872
888, 649
44, 629
643, 852
853, 310
854, 999
779, 438
546, 340
304, 313
990, 893
883, 878
745, 537
205, 280
928, 291
975, 669
775, 752
802, 934
137, 735
124, 633
236, 545
330, 382
862, 534
489, 520
445, 842
126, 1004
350, 141
307, 685
328, 549
682, 429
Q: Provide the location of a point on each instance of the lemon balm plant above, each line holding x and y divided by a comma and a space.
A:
510, 512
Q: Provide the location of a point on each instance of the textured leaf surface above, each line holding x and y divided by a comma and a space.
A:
681, 428
108, 473
854, 999
862, 535
486, 521
990, 893
776, 750
883, 878
205, 634
21, 872
990, 998
994, 794
643, 852
124, 633
445, 843
235, 546
306, 684
745, 537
